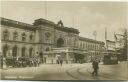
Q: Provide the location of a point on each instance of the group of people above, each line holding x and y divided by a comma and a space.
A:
30, 62
20, 62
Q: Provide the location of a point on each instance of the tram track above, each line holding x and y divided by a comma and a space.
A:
70, 74
79, 76
102, 76
86, 76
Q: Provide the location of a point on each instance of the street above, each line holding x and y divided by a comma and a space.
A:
67, 72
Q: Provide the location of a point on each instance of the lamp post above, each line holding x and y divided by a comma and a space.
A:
95, 35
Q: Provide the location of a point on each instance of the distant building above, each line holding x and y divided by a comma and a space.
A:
25, 40
121, 41
111, 56
93, 48
110, 47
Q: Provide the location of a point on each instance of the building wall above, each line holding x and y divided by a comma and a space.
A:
45, 37
92, 49
11, 43
44, 42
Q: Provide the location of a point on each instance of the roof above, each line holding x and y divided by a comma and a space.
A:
110, 41
45, 22
17, 24
90, 40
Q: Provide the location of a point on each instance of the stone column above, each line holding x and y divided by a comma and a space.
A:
67, 57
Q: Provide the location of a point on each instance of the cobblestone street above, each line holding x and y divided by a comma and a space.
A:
67, 72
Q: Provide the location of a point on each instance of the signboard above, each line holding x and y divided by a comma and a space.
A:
59, 50
113, 58
119, 41
110, 45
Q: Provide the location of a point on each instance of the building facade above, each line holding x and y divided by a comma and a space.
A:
19, 39
93, 48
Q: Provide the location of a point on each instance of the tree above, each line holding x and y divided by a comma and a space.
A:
124, 43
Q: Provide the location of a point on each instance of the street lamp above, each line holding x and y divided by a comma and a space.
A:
95, 35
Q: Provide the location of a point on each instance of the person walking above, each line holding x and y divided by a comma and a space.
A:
61, 61
95, 65
57, 59
41, 57
1, 60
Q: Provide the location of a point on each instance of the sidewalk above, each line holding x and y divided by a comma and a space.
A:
43, 70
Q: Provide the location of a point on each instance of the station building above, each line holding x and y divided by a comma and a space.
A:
46, 39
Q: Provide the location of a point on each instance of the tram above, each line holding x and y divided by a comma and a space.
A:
110, 58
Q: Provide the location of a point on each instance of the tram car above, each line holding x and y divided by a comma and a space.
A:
110, 59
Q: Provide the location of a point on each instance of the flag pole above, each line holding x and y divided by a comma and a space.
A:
95, 34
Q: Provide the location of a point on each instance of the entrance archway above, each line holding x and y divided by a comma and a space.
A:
60, 42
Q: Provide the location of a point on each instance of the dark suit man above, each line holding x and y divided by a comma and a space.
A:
95, 65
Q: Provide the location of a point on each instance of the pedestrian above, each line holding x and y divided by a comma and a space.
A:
57, 59
5, 63
95, 65
61, 62
41, 57
38, 61
1, 60
44, 59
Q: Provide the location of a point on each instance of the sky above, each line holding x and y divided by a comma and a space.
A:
85, 16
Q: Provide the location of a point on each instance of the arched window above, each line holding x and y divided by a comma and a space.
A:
60, 42
47, 49
14, 51
5, 49
81, 45
6, 35
15, 35
23, 37
23, 52
91, 46
30, 52
31, 37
